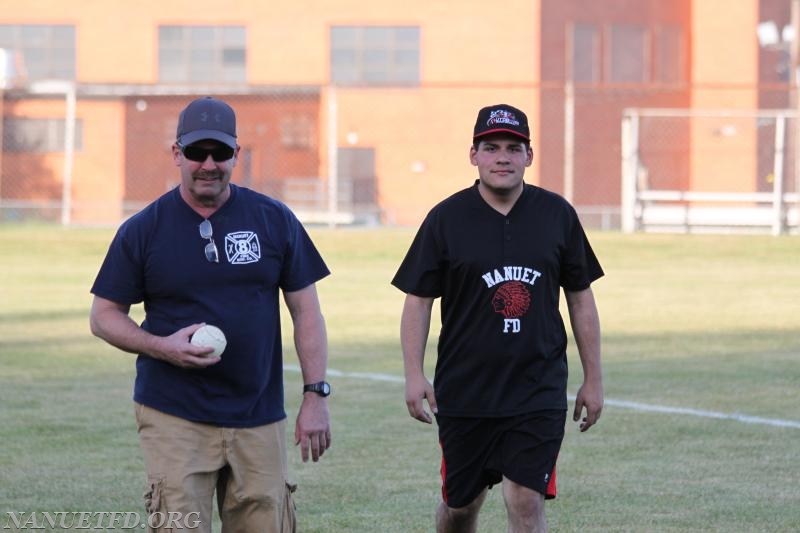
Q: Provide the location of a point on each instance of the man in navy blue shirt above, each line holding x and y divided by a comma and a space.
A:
498, 255
211, 252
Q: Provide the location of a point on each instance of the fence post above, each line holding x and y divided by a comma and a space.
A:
569, 141
69, 153
68, 90
630, 128
777, 183
333, 156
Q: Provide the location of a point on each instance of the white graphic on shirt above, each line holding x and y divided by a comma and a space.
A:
509, 273
512, 298
242, 247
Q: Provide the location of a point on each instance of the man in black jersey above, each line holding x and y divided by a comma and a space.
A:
498, 254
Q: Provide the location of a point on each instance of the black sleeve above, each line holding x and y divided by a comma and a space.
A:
420, 273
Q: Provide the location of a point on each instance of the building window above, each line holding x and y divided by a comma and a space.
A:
38, 135
585, 53
40, 51
202, 54
620, 53
628, 53
670, 55
375, 55
298, 131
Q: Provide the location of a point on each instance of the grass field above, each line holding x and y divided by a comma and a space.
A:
707, 323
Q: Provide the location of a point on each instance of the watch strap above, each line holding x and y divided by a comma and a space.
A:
322, 388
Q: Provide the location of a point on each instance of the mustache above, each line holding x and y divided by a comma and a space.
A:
206, 175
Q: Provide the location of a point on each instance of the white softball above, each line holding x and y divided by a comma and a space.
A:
210, 336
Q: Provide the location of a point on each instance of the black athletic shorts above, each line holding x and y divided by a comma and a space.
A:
478, 452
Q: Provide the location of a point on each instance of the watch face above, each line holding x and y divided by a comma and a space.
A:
322, 388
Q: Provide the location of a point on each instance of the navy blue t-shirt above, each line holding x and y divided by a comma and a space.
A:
502, 346
157, 257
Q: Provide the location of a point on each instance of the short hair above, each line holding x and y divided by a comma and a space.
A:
476, 142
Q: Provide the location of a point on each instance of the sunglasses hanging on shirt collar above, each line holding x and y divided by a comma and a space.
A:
207, 232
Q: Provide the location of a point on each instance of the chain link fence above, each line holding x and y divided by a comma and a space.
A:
710, 170
119, 156
96, 154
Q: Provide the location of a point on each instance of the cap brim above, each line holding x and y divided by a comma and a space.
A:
201, 135
501, 130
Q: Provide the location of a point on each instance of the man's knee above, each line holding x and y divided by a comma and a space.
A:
459, 518
524, 505
523, 498
459, 514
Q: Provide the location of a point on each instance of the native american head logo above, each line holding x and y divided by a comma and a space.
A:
511, 299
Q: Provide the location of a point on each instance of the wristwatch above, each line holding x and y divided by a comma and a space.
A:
323, 388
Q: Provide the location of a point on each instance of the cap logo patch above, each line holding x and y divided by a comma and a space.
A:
501, 116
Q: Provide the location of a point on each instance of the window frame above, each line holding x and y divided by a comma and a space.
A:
375, 56
38, 135
44, 51
220, 58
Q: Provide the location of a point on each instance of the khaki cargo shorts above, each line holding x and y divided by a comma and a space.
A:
187, 462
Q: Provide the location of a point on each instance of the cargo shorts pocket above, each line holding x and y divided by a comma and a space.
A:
153, 495
289, 521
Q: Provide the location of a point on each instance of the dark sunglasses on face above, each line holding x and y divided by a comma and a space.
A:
200, 155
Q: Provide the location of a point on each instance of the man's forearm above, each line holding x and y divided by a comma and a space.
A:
112, 323
586, 329
311, 343
310, 335
414, 329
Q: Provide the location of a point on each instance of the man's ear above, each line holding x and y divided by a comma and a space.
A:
176, 154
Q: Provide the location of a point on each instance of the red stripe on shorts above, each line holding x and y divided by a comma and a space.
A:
551, 491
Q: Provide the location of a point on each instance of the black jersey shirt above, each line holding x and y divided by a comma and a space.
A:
502, 346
